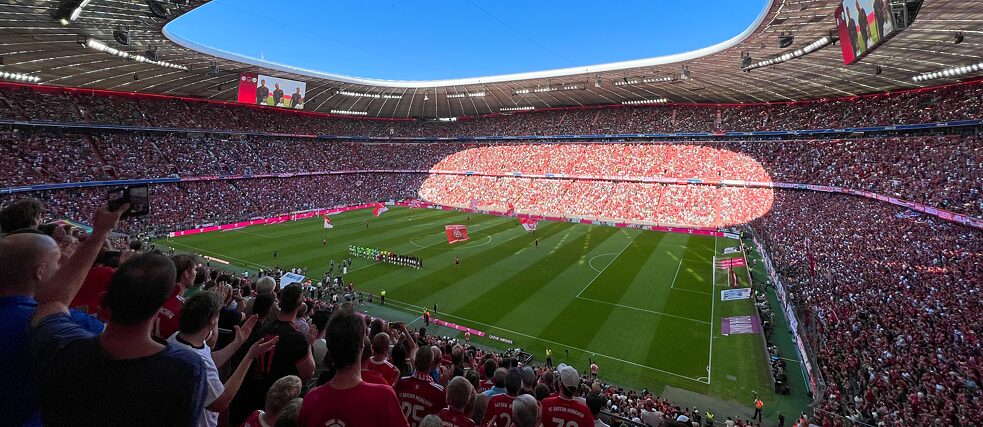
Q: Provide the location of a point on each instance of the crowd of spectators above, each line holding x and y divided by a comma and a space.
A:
187, 205
82, 106
895, 304
894, 297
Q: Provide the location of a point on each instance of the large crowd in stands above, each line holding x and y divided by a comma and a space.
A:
896, 303
186, 205
894, 297
82, 106
947, 172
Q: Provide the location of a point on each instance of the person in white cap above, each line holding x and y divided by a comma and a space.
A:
564, 409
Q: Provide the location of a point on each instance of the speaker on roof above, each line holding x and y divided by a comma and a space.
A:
122, 37
158, 9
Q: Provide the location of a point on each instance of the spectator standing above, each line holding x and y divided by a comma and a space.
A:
27, 260
499, 411
282, 392
145, 375
419, 395
346, 399
563, 408
292, 356
199, 321
459, 394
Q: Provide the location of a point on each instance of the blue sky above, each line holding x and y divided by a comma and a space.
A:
441, 39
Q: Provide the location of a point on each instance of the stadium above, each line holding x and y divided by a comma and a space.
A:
782, 227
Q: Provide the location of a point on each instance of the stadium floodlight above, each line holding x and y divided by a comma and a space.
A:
646, 101
548, 88
350, 113
746, 65
19, 77
525, 108
466, 95
69, 10
949, 72
627, 81
368, 95
92, 43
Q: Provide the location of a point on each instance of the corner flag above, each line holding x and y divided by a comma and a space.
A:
327, 222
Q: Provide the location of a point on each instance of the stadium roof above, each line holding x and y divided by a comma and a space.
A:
35, 43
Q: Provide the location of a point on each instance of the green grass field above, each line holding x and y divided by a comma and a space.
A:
644, 305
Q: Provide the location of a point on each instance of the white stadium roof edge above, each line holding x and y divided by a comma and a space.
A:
33, 43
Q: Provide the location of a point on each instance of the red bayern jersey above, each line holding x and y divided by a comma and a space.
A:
558, 411
254, 420
374, 377
419, 396
454, 418
168, 318
368, 405
388, 371
499, 411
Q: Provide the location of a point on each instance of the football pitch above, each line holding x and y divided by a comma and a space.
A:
645, 306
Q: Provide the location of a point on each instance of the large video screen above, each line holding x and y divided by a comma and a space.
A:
258, 89
862, 25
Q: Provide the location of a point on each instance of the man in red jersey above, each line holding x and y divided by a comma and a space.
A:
499, 411
369, 375
488, 368
168, 317
563, 409
418, 394
346, 400
459, 392
380, 359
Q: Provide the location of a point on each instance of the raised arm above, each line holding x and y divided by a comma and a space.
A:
55, 294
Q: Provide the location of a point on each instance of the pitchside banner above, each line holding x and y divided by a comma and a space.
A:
258, 89
735, 294
456, 233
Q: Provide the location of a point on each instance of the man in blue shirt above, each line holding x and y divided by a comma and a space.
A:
26, 259
122, 377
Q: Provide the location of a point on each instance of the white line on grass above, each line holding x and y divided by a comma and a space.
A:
561, 344
247, 263
673, 287
243, 231
641, 309
630, 240
713, 301
590, 262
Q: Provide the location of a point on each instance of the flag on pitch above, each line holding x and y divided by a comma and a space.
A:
456, 233
379, 209
528, 223
327, 222
511, 209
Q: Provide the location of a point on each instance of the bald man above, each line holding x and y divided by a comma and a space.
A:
380, 359
26, 259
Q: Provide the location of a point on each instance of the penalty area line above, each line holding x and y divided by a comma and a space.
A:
565, 345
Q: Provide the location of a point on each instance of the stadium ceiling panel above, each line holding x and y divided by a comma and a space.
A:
35, 43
